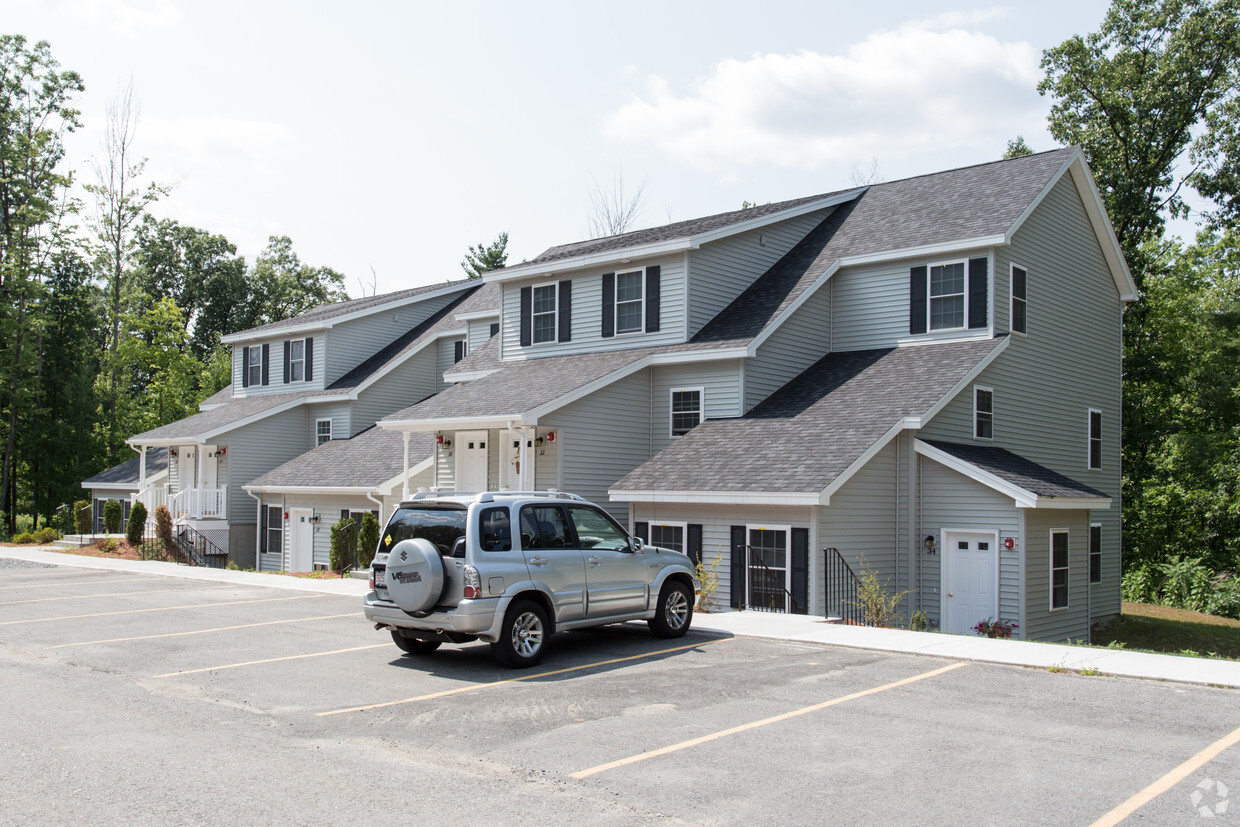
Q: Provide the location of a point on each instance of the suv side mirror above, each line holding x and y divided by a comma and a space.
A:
637, 545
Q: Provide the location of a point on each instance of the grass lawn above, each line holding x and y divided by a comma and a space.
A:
1173, 631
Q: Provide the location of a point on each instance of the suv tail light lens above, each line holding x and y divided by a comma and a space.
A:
473, 584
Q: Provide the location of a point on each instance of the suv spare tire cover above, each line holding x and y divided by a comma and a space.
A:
415, 576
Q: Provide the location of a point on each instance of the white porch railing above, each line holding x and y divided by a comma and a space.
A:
200, 504
151, 498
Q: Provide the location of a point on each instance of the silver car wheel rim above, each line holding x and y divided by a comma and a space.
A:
677, 609
527, 634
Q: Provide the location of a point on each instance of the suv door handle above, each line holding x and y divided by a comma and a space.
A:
538, 560
595, 560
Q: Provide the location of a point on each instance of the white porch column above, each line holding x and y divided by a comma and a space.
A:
526, 482
404, 477
141, 467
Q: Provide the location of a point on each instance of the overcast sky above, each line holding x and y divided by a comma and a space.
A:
393, 135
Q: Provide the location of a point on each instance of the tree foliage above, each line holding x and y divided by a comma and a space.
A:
1017, 148
282, 287
486, 257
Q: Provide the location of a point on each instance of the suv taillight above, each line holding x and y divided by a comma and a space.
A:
473, 584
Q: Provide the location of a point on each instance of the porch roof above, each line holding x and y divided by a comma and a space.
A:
810, 433
366, 461
1029, 484
204, 425
126, 473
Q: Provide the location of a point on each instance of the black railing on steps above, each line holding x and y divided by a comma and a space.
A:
841, 581
198, 548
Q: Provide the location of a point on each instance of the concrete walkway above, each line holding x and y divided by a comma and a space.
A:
763, 625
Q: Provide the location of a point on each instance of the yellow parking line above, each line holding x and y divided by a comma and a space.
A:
1168, 781
198, 631
271, 660
157, 609
461, 689
633, 759
114, 594
37, 585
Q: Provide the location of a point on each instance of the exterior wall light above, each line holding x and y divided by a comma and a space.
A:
929, 544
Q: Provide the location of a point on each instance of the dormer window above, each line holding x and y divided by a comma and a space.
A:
297, 360
949, 295
544, 313
630, 299
253, 366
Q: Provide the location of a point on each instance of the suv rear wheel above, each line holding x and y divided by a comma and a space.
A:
414, 646
675, 610
523, 637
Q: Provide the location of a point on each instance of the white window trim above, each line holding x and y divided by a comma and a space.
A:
254, 364
1013, 298
990, 413
684, 529
317, 423
1092, 526
1089, 439
554, 313
671, 397
641, 302
301, 361
1050, 580
930, 298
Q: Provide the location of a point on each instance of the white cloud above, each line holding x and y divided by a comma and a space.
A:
895, 94
208, 144
127, 18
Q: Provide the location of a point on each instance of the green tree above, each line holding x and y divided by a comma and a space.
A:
282, 287
166, 374
1017, 148
484, 257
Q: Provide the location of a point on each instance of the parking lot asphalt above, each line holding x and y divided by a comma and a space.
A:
139, 697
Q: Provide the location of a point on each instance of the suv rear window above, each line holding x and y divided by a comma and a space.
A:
441, 525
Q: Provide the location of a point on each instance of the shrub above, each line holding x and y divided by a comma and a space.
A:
137, 524
112, 516
342, 538
82, 516
25, 537
708, 576
108, 545
918, 622
163, 527
47, 534
995, 628
368, 543
877, 606
1137, 585
1187, 584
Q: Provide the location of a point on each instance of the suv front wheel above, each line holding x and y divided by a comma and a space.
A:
675, 610
523, 637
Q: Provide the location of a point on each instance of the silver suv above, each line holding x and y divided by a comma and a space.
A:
513, 568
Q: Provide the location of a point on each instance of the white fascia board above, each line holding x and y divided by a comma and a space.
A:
964, 382
257, 334
1077, 503
312, 489
458, 376
111, 486
460, 423
549, 268
716, 497
684, 357
531, 417
824, 496
476, 315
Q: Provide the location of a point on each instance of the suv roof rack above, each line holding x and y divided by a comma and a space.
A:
489, 496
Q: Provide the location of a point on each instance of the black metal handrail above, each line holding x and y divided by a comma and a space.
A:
750, 560
198, 548
841, 588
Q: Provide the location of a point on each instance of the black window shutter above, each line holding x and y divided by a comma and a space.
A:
309, 369
288, 347
494, 328
566, 311
917, 300
458, 350
642, 530
527, 316
344, 514
977, 293
800, 571
245, 367
738, 566
609, 305
266, 364
693, 542
262, 530
652, 298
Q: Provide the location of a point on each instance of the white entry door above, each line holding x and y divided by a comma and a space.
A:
971, 580
471, 461
209, 461
510, 460
300, 539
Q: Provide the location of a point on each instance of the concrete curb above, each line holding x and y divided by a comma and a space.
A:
762, 625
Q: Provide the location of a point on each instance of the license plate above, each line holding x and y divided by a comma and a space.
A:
380, 578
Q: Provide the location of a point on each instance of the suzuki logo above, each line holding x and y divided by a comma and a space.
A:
404, 555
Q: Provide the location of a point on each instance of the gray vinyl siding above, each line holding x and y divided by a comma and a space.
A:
255, 449
721, 270
604, 436
327, 508
720, 382
949, 500
445, 354
799, 342
1071, 623
1045, 382
275, 366
547, 462
479, 332
717, 522
353, 342
337, 412
409, 382
587, 313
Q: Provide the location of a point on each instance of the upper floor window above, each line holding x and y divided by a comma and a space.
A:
947, 296
983, 413
544, 313
297, 360
951, 295
629, 301
322, 431
1095, 439
1019, 309
253, 366
460, 349
686, 410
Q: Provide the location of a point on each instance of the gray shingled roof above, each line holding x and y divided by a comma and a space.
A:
127, 472
213, 419
370, 458
680, 229
1017, 470
810, 431
944, 207
327, 312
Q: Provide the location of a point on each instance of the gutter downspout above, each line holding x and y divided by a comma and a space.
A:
404, 477
379, 503
258, 526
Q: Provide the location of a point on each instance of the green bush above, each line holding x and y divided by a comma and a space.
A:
368, 544
112, 516
82, 516
108, 545
163, 527
137, 524
25, 537
342, 538
47, 534
1137, 585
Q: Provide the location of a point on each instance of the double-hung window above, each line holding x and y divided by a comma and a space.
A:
686, 410
544, 313
983, 413
1095, 553
297, 360
630, 299
1095, 439
254, 365
322, 431
1019, 302
1059, 568
273, 523
947, 296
